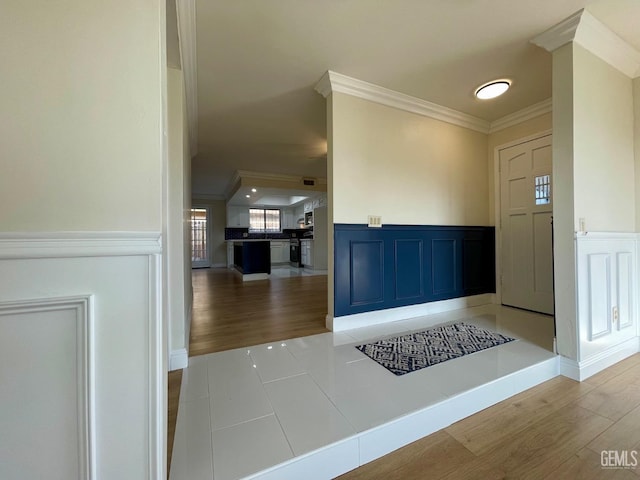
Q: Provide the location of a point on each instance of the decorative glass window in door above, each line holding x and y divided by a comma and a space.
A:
543, 189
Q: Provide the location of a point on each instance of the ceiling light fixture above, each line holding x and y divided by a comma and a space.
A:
248, 196
254, 190
492, 89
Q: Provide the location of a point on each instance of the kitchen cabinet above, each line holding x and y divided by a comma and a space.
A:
279, 252
287, 219
237, 216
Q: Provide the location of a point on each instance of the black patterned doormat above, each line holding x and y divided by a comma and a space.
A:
411, 352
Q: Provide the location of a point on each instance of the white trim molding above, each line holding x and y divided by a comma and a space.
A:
336, 82
78, 244
377, 317
582, 370
179, 359
589, 32
82, 306
560, 34
521, 116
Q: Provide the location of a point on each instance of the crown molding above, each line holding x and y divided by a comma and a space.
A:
186, 10
590, 33
336, 82
520, 116
560, 34
596, 37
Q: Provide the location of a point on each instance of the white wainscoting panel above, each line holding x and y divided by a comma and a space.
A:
83, 353
626, 284
607, 292
599, 295
47, 389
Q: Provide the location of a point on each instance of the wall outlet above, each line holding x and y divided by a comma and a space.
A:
245, 234
375, 221
616, 316
582, 225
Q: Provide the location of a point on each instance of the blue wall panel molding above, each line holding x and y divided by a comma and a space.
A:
399, 265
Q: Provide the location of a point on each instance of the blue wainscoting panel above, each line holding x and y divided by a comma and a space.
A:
408, 278
398, 265
444, 272
366, 272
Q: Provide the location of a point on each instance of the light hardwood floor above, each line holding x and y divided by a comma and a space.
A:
556, 430
228, 314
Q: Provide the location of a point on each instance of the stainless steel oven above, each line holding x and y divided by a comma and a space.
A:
295, 256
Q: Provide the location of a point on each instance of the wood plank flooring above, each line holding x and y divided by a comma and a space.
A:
556, 430
228, 313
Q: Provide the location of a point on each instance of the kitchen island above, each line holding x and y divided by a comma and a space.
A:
252, 259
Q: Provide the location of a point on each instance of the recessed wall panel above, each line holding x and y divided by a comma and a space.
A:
444, 266
599, 297
473, 271
408, 279
43, 394
624, 300
367, 272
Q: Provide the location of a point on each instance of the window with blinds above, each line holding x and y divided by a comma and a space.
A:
264, 220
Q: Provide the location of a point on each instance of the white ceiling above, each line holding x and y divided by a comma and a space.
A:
259, 60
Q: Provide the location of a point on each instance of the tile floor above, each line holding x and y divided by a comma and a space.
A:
243, 411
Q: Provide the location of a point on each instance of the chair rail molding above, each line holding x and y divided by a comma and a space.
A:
78, 244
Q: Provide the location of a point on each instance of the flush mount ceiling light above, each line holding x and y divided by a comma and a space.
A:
248, 196
492, 89
254, 190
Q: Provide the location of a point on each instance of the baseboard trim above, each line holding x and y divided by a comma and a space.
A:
178, 359
347, 322
582, 370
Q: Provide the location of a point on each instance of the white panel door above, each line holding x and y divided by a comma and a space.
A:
525, 225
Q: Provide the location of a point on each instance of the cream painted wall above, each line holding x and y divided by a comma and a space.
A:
81, 115
177, 249
502, 137
636, 108
604, 171
218, 222
407, 168
563, 209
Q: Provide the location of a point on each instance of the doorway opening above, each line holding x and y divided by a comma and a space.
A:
526, 229
200, 257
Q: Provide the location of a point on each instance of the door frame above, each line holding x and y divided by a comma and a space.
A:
498, 202
208, 233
